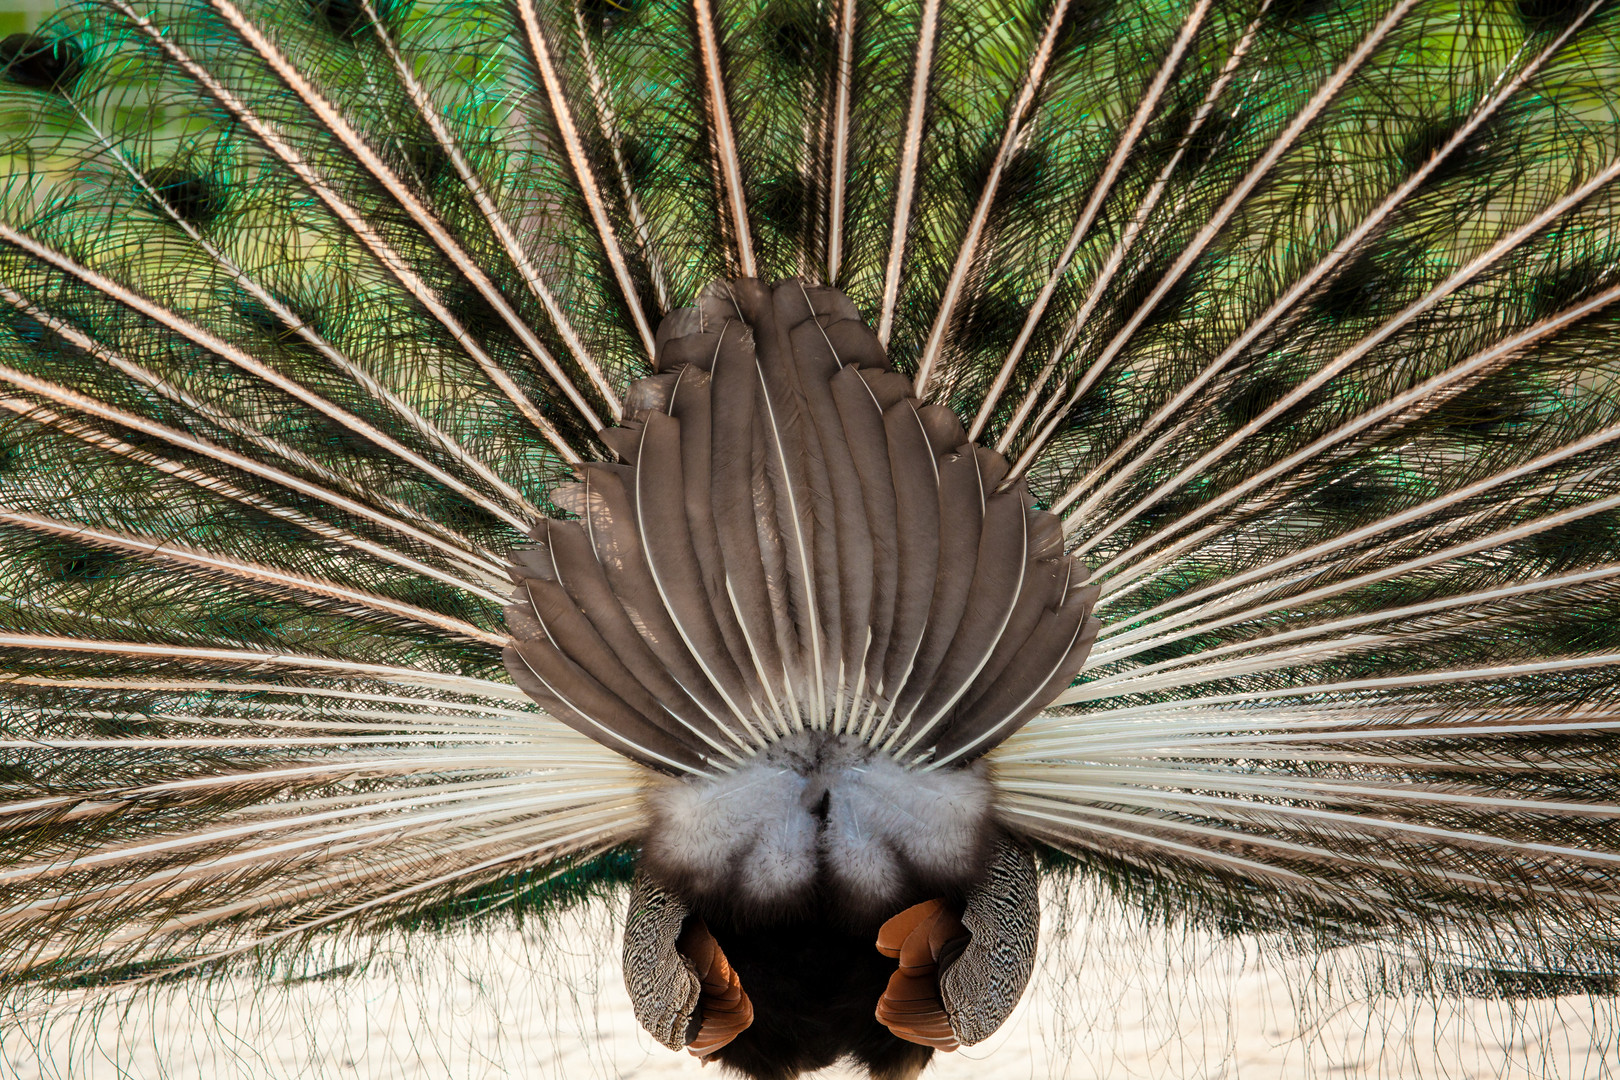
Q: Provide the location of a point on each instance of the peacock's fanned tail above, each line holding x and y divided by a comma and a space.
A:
1298, 315
793, 543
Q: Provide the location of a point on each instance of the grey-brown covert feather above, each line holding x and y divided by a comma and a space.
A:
796, 544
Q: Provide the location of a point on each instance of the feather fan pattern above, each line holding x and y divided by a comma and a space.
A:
832, 379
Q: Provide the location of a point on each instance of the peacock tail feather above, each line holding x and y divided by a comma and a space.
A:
1298, 315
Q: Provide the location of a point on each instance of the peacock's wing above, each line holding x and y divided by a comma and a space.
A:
1297, 312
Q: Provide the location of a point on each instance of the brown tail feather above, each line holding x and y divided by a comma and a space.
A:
796, 543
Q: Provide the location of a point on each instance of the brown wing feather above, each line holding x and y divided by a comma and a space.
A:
723, 1005
920, 937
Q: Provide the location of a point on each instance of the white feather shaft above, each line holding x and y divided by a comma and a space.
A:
1236, 809
588, 839
356, 223
922, 70
1334, 626
62, 396
1353, 241
1116, 257
1100, 191
458, 684
440, 707
1038, 810
256, 573
228, 423
725, 141
1390, 682
1017, 113
335, 357
333, 121
1085, 817
1235, 781
838, 181
1340, 363
1311, 557
1240, 740
1319, 101
442, 761
584, 175
1402, 406
496, 220
608, 121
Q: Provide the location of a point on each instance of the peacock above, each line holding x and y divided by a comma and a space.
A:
828, 470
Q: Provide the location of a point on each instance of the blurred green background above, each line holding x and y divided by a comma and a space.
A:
18, 15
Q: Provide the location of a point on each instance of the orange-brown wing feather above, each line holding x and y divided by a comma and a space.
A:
723, 1006
911, 1006
893, 934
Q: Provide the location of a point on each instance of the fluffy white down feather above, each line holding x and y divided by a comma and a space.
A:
817, 807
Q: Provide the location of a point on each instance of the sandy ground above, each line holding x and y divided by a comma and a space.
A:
1113, 999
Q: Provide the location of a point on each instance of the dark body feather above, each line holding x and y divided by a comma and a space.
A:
814, 984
